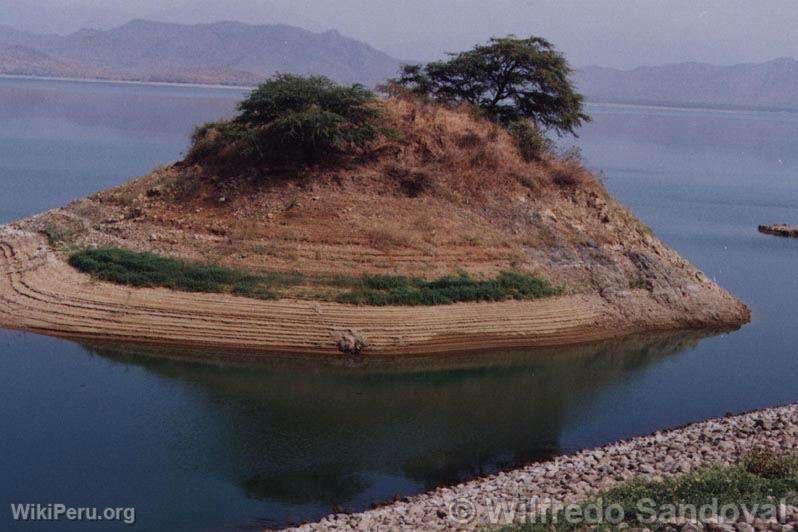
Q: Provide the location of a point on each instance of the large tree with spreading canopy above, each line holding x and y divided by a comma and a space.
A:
509, 79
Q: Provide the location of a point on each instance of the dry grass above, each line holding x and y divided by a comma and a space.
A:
440, 151
388, 236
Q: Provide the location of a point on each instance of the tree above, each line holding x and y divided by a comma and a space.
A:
509, 79
302, 119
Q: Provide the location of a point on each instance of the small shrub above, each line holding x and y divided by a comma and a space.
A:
412, 183
766, 463
469, 140
205, 141
565, 178
636, 281
571, 154
415, 183
533, 144
57, 235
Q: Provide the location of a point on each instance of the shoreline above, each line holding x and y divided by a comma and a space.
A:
686, 107
672, 106
240, 88
41, 293
574, 478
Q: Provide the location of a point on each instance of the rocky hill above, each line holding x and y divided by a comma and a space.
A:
770, 85
223, 52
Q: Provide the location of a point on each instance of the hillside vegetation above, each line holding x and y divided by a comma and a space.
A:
447, 191
126, 267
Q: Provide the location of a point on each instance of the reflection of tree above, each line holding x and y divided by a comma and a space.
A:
310, 432
331, 487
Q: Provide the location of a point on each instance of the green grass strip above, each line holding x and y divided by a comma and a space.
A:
396, 290
132, 268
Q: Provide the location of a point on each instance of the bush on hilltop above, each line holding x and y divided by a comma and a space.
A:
292, 118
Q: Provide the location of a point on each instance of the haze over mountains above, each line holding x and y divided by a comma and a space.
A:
771, 85
222, 52
242, 54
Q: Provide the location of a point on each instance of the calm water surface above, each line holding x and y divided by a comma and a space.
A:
197, 446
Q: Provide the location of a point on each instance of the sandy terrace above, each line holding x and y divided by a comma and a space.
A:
40, 293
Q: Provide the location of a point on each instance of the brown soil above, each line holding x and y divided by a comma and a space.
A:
452, 195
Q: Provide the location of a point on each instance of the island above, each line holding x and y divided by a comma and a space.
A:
326, 220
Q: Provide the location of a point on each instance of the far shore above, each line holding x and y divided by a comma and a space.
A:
687, 107
671, 106
242, 88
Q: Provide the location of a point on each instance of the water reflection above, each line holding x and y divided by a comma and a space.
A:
306, 435
163, 111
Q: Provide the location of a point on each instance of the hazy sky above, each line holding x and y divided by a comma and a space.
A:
621, 33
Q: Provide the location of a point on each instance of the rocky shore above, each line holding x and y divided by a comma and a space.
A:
487, 502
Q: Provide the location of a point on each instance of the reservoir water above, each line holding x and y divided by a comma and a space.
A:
213, 447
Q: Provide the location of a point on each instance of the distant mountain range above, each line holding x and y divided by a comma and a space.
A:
772, 85
224, 52
233, 53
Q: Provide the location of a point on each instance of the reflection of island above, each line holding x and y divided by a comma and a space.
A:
331, 486
316, 434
